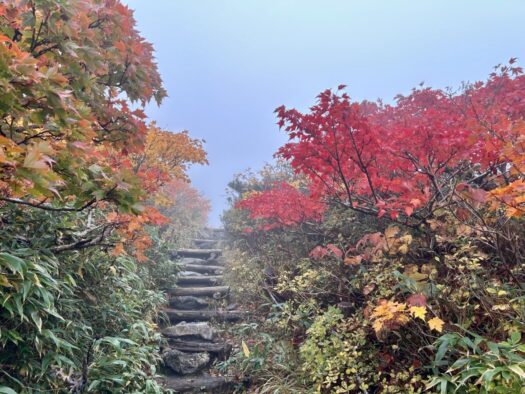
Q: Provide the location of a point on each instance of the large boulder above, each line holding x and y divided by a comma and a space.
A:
185, 363
188, 302
193, 330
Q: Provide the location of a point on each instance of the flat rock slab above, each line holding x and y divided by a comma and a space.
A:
200, 315
185, 363
210, 269
188, 302
199, 384
205, 243
189, 273
192, 260
200, 279
196, 330
206, 291
221, 350
198, 253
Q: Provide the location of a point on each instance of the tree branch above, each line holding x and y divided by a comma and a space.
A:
48, 207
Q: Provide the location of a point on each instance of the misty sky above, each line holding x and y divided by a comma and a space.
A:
227, 64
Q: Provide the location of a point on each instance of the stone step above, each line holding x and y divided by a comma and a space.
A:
204, 243
199, 384
201, 291
200, 279
188, 302
188, 273
221, 350
203, 269
193, 261
185, 363
180, 315
201, 330
198, 253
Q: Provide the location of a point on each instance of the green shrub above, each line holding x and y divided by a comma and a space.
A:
336, 354
73, 320
477, 365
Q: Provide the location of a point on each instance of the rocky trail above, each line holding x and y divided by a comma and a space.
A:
198, 310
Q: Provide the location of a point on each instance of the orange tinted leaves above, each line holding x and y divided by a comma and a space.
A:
166, 156
36, 157
112, 216
388, 316
134, 225
153, 216
120, 46
118, 250
511, 198
353, 260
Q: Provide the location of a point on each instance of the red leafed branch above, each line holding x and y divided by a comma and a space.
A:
282, 206
403, 160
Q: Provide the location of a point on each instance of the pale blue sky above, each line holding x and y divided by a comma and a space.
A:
227, 64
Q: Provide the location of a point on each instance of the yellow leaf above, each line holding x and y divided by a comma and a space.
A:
4, 281
391, 232
436, 324
403, 249
406, 239
418, 311
378, 326
418, 277
245, 349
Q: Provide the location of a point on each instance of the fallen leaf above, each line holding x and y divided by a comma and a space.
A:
353, 260
436, 324
245, 349
417, 300
418, 311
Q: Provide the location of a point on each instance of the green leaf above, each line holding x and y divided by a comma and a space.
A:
517, 370
488, 375
7, 390
26, 288
459, 363
37, 319
442, 349
14, 263
493, 348
19, 306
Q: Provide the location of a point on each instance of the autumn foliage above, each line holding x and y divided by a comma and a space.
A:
282, 205
393, 256
66, 123
410, 159
81, 174
68, 132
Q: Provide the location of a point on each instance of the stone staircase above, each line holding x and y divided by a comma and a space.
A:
198, 304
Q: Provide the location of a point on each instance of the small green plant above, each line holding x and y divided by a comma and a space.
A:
478, 365
336, 357
127, 363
